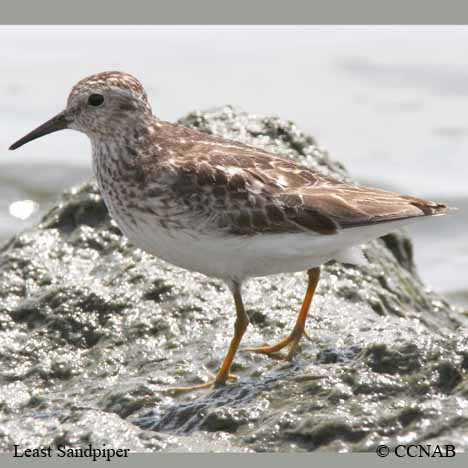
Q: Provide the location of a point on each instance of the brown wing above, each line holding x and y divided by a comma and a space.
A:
352, 206
245, 190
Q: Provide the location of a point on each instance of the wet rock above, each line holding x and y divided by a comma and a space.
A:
94, 333
392, 361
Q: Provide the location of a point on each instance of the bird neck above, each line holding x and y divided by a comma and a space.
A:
130, 132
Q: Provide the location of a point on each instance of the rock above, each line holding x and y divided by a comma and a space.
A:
93, 333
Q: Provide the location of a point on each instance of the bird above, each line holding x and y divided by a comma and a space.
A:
220, 207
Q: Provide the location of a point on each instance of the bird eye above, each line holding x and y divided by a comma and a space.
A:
95, 100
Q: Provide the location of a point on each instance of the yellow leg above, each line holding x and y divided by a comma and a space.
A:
299, 328
223, 375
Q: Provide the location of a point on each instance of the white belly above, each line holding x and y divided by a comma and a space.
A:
239, 257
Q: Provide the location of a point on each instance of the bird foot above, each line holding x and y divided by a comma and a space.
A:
292, 341
307, 336
212, 384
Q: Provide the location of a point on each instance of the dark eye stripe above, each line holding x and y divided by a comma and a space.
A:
95, 100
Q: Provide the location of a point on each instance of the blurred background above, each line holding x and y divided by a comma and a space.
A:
391, 103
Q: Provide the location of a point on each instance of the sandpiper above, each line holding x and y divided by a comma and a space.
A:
220, 207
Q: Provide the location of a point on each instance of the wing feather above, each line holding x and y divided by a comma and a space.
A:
245, 190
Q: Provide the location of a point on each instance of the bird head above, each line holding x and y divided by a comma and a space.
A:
98, 105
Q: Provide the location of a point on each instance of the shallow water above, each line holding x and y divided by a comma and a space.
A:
389, 102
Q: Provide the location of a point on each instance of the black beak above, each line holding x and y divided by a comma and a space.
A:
59, 122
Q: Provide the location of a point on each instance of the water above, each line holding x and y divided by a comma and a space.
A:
389, 102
